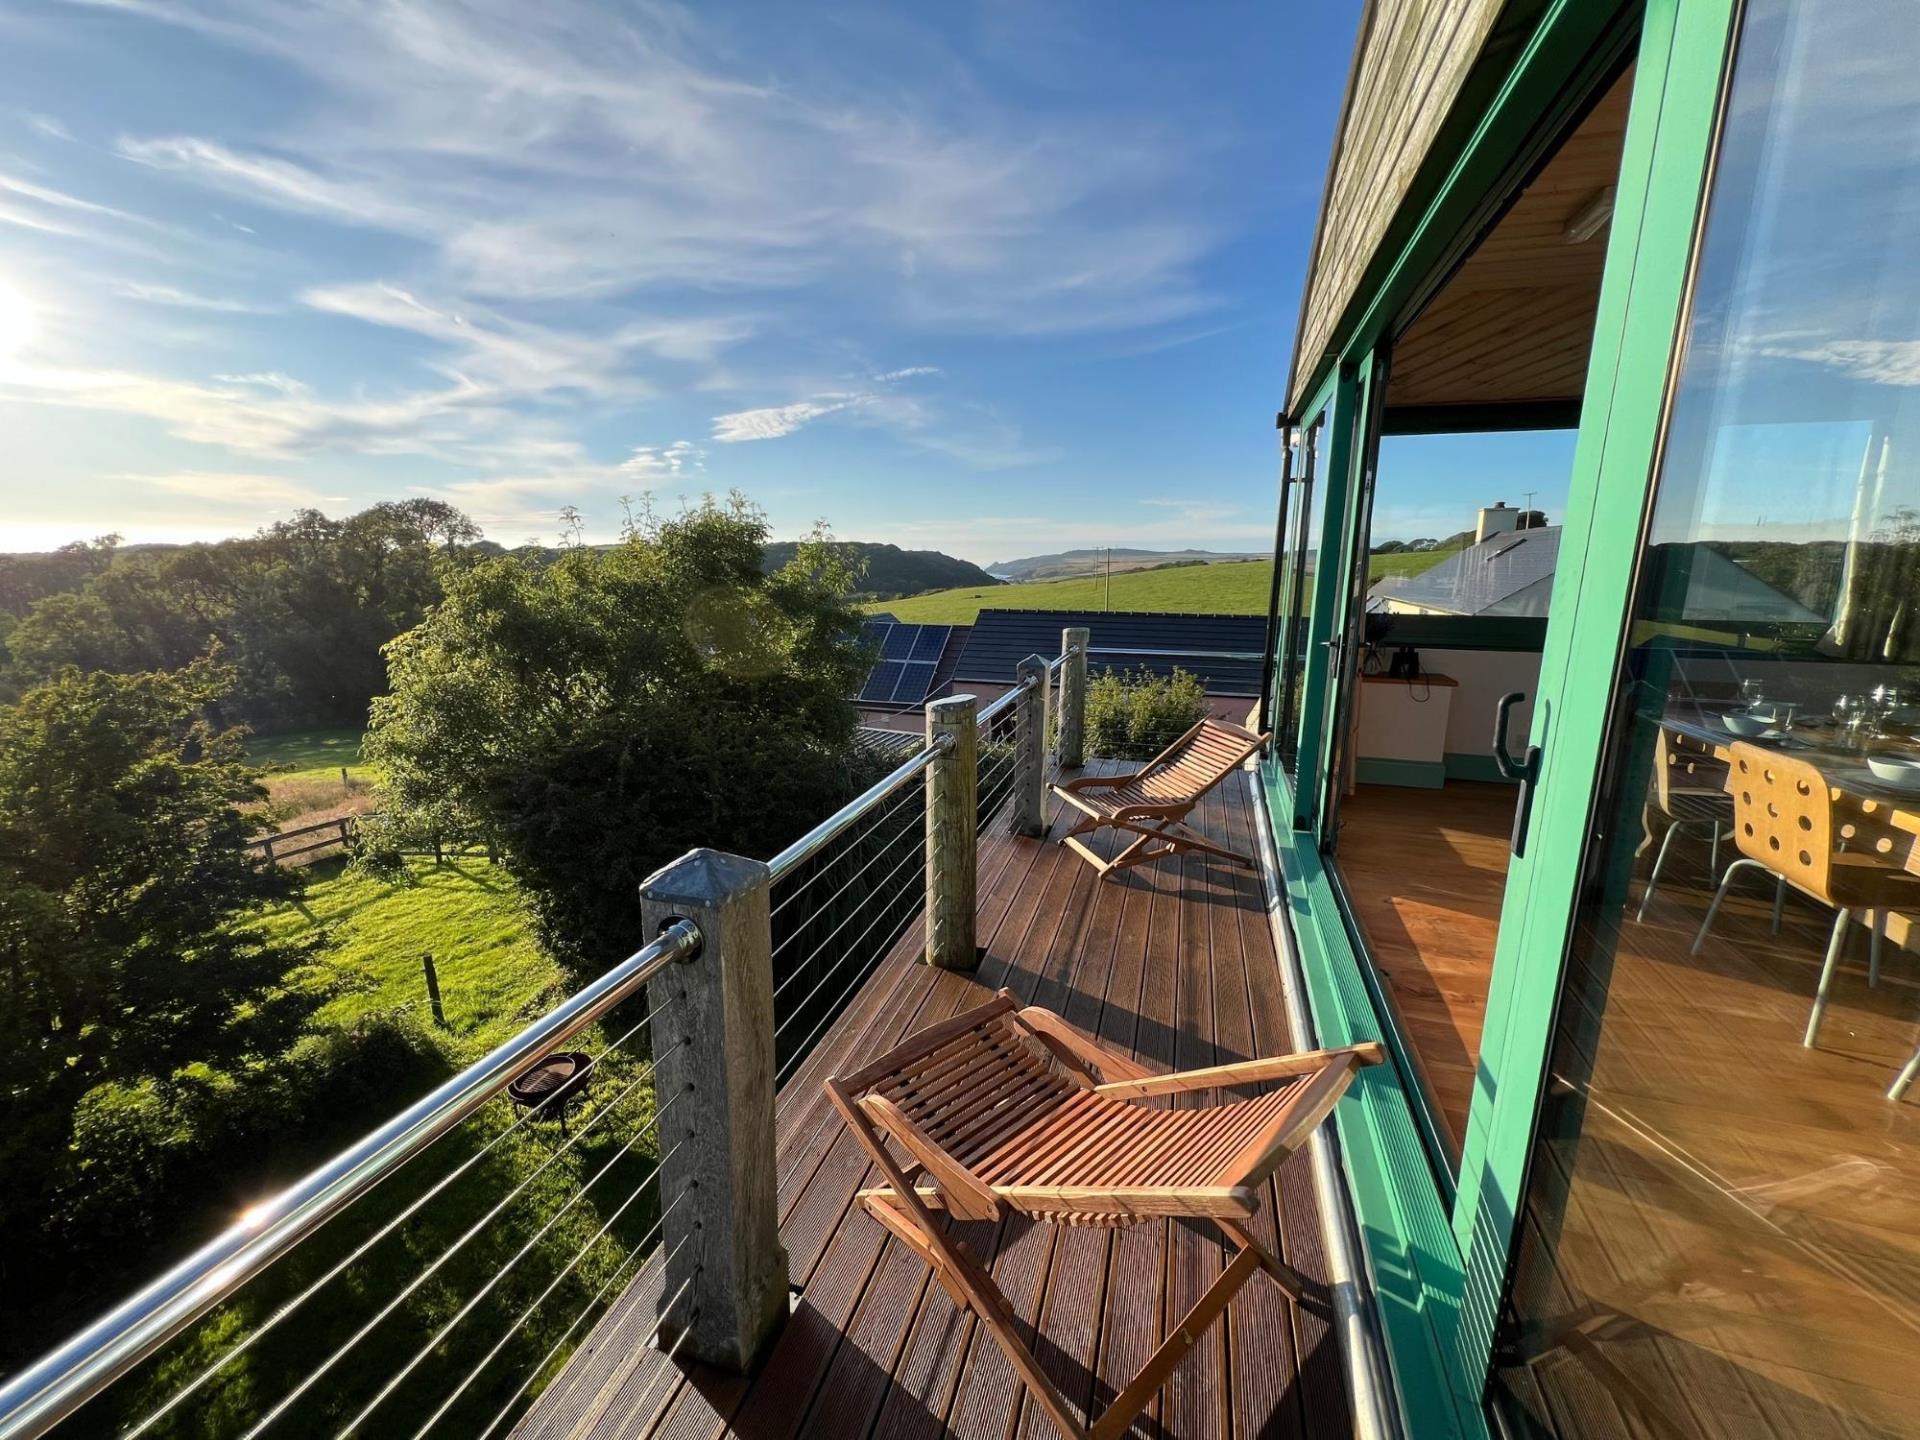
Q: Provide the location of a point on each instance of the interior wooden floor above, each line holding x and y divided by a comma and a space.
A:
1427, 870
1171, 962
1724, 1227
1735, 1218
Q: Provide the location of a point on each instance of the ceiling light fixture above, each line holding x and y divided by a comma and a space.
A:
1590, 219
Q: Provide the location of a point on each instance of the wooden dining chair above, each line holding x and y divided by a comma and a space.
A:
1154, 801
1004, 1109
1690, 793
1784, 825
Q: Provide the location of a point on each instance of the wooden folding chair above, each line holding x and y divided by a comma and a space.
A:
1154, 801
1003, 1109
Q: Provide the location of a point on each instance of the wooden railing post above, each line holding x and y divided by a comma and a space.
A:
1073, 696
724, 1294
952, 821
1030, 748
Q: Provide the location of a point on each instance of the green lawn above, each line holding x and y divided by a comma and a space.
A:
493, 978
1405, 564
1240, 588
308, 754
1232, 589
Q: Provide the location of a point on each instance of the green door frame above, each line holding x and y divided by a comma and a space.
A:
1438, 1274
1683, 61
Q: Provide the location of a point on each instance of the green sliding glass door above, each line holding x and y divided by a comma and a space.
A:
1719, 1218
1678, 74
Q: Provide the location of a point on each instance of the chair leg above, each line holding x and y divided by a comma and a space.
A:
1873, 948
1713, 862
1906, 1077
1779, 901
1718, 895
1653, 877
1835, 944
1281, 1273
1128, 1404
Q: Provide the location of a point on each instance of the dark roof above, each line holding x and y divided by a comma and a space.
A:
889, 744
1221, 651
1501, 575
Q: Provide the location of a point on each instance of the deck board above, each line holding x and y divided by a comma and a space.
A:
1173, 963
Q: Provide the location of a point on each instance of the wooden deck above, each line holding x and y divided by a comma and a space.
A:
1173, 963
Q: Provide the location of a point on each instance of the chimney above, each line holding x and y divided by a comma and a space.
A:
1496, 521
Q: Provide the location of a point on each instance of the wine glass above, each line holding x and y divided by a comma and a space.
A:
1751, 693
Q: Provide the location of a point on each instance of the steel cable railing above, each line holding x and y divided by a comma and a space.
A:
208, 1347
429, 1279
841, 896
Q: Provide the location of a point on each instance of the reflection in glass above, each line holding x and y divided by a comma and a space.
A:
1306, 510
1720, 1234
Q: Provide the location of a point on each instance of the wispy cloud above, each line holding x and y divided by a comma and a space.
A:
181, 299
49, 126
646, 153
772, 421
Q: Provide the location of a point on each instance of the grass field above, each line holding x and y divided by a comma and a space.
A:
1231, 589
308, 754
493, 978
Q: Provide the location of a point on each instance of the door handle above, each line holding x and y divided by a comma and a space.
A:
1526, 770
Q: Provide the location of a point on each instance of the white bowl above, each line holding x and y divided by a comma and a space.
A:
1896, 770
1747, 725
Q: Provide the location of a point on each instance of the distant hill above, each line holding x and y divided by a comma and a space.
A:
1068, 563
887, 570
1219, 589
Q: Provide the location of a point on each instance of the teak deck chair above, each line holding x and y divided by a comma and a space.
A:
1154, 801
1003, 1109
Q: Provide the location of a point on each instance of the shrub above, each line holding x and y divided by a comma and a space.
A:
1134, 716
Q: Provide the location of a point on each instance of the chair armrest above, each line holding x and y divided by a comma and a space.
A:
1085, 1057
1095, 782
967, 1196
1243, 1072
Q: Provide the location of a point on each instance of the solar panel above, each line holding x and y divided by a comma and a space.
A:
874, 632
930, 642
915, 678
899, 643
882, 681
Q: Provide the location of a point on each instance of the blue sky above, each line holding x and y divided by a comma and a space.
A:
994, 279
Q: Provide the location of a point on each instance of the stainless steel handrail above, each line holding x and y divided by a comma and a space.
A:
835, 823
1175, 654
64, 1379
994, 707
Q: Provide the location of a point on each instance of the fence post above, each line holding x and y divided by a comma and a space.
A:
1030, 748
433, 989
1073, 696
953, 803
725, 1289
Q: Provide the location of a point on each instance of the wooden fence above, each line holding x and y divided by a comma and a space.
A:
340, 831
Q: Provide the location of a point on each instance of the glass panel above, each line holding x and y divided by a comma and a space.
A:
1721, 1230
1306, 511
1424, 819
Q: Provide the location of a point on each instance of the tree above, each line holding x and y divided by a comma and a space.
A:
299, 610
599, 714
124, 887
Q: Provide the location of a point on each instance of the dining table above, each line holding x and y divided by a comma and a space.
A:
1870, 812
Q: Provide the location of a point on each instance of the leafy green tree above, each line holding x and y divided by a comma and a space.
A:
300, 610
124, 888
598, 715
